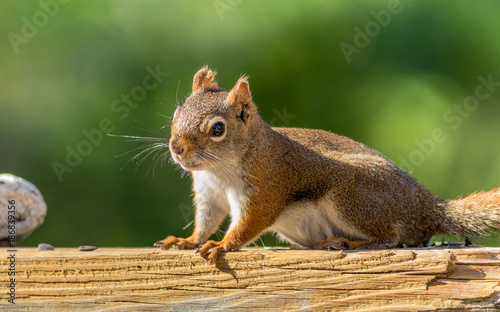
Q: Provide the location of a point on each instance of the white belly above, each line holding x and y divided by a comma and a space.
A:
306, 223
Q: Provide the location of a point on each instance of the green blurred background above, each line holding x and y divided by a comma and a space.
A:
407, 69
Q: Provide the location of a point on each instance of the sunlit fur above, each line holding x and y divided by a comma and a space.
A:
315, 188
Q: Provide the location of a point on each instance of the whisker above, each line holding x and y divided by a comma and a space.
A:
220, 166
162, 140
187, 225
153, 165
137, 158
165, 116
149, 150
136, 137
160, 158
177, 92
134, 158
219, 233
166, 100
147, 128
137, 148
156, 146
223, 160
152, 131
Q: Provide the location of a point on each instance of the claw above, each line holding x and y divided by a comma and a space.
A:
211, 260
332, 243
216, 251
202, 254
160, 244
178, 243
211, 250
167, 243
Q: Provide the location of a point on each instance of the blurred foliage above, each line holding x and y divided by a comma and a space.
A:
393, 93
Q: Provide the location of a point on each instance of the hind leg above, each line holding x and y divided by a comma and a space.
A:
333, 243
389, 239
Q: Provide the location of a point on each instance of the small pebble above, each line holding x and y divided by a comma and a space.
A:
87, 248
44, 246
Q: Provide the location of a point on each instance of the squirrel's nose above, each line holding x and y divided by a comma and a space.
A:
177, 147
179, 150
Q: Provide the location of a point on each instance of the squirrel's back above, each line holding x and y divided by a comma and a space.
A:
325, 142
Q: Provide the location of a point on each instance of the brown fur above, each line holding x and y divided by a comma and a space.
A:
282, 167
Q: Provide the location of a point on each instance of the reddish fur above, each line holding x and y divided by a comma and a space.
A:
475, 215
285, 165
489, 198
204, 79
240, 93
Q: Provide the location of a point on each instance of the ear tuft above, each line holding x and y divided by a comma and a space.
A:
240, 93
204, 78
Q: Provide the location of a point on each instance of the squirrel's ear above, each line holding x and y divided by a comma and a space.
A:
240, 93
204, 78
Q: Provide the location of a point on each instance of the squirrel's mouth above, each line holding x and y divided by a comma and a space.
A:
190, 166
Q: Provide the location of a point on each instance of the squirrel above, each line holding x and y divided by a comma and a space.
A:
314, 188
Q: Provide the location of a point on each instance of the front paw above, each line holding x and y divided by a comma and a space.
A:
178, 243
211, 250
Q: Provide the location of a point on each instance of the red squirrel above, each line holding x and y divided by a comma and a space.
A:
314, 188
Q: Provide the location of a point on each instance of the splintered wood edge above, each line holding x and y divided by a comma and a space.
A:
129, 279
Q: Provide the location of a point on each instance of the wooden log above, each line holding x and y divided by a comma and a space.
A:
276, 279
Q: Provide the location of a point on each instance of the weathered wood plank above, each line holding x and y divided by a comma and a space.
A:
277, 279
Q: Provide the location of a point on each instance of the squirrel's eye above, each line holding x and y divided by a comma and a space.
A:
217, 129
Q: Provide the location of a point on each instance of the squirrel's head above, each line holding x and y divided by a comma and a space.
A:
211, 127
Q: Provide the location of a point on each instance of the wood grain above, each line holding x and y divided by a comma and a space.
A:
276, 279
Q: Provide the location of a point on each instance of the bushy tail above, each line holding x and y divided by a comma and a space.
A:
475, 215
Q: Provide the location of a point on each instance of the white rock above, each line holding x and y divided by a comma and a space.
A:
30, 208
